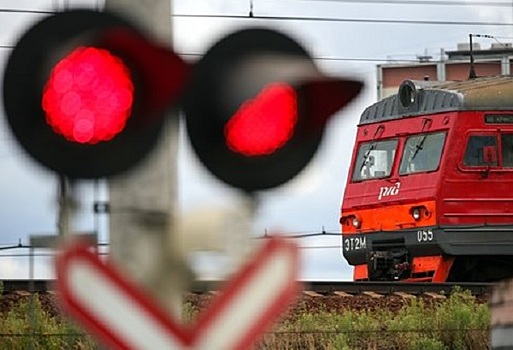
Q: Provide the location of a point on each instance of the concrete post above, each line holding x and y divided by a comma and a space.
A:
143, 202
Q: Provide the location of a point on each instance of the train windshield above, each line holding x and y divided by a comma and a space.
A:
374, 160
422, 153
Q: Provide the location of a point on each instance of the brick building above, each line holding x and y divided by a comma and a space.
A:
454, 65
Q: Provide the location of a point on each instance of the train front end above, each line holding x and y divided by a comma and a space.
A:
413, 210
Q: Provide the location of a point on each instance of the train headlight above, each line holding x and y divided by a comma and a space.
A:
416, 213
351, 221
356, 222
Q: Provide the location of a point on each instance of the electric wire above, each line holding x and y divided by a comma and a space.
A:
22, 11
316, 58
106, 244
345, 20
331, 58
421, 2
306, 19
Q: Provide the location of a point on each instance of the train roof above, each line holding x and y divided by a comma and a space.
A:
430, 97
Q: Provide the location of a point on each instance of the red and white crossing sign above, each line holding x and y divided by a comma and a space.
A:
122, 316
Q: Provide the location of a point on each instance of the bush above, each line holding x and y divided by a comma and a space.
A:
457, 323
463, 323
424, 343
28, 326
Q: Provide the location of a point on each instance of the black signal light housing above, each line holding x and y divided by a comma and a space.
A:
257, 106
155, 77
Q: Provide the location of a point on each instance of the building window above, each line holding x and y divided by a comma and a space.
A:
374, 160
422, 153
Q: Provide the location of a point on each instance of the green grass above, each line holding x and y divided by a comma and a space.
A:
457, 323
28, 326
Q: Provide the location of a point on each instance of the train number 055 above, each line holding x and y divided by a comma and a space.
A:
424, 235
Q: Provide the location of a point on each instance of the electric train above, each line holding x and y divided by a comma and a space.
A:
429, 194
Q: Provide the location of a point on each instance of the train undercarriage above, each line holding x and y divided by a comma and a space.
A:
432, 255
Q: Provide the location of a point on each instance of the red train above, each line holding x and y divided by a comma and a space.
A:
429, 194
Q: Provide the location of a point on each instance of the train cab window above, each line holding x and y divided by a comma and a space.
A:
481, 151
374, 160
422, 153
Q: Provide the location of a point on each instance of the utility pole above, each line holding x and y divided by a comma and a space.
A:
143, 201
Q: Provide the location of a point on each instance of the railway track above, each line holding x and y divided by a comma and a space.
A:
319, 287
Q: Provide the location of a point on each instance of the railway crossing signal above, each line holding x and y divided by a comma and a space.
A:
257, 106
85, 93
123, 317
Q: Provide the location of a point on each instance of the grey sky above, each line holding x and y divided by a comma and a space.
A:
310, 202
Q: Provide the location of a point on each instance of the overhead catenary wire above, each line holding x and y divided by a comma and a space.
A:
345, 20
330, 58
316, 58
378, 2
52, 254
422, 2
319, 58
252, 16
495, 38
22, 11
19, 245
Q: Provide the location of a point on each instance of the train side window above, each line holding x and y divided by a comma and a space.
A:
374, 160
422, 153
507, 150
481, 151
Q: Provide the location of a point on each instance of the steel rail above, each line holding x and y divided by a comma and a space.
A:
390, 287
321, 287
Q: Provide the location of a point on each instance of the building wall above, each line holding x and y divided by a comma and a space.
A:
460, 71
394, 76
390, 76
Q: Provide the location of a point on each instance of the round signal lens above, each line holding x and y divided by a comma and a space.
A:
88, 96
356, 222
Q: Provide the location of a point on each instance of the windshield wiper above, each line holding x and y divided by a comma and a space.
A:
372, 147
418, 147
367, 154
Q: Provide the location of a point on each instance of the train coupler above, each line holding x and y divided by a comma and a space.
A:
388, 265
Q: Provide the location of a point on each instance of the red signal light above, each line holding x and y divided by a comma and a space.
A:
88, 96
263, 125
257, 106
86, 93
